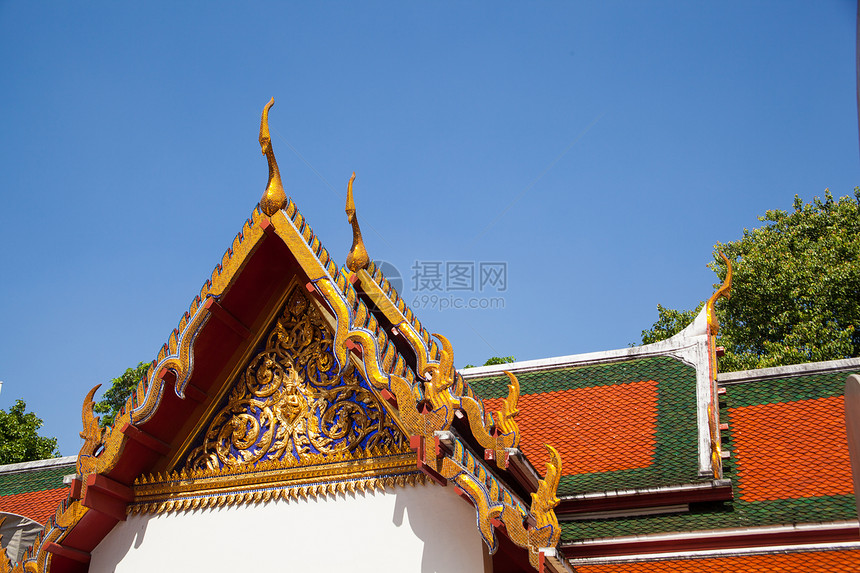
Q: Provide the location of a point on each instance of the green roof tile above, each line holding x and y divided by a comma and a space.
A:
35, 480
738, 513
675, 453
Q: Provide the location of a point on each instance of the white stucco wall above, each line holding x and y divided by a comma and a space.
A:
422, 529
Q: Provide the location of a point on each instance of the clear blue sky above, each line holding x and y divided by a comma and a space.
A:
599, 149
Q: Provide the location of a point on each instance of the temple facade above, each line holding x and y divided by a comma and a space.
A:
301, 417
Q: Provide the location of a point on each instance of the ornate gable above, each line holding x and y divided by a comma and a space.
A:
291, 424
291, 400
291, 377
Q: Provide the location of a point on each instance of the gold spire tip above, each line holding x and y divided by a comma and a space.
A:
357, 258
274, 197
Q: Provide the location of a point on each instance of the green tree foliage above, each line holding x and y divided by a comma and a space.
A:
494, 360
19, 436
796, 288
119, 391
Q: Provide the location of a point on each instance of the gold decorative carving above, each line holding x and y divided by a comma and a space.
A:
274, 199
507, 423
713, 329
725, 291
385, 296
285, 493
487, 508
316, 474
495, 504
92, 434
544, 500
357, 258
291, 401
446, 392
437, 389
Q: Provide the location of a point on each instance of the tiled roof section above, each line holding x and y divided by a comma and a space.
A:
592, 428
804, 415
623, 424
717, 515
34, 480
774, 391
34, 493
37, 505
791, 450
809, 561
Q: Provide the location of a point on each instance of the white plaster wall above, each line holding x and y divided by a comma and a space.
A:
422, 529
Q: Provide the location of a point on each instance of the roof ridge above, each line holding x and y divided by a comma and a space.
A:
422, 336
409, 315
791, 370
584, 359
37, 464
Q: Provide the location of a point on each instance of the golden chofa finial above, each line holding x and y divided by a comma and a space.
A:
274, 197
357, 258
725, 290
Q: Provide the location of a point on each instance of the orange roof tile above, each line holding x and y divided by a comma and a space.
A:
595, 429
37, 505
792, 450
811, 562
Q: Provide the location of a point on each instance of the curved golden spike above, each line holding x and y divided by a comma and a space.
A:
274, 197
725, 290
446, 360
544, 500
89, 419
92, 433
357, 258
509, 411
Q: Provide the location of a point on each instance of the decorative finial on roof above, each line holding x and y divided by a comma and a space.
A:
274, 197
725, 291
357, 258
544, 500
92, 433
508, 413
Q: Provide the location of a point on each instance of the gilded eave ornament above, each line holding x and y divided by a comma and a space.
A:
92, 434
725, 291
274, 198
357, 258
507, 423
544, 500
713, 329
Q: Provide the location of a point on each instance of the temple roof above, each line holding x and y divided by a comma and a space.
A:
247, 402
280, 361
786, 475
619, 425
33, 489
829, 561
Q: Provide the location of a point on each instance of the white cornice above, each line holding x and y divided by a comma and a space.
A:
742, 376
38, 464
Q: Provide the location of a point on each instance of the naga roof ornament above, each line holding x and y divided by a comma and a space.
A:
357, 259
724, 291
713, 325
274, 197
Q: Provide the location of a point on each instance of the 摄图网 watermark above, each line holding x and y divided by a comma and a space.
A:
443, 285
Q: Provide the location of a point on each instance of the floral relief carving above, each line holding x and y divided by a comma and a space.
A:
290, 400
